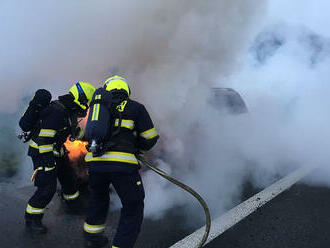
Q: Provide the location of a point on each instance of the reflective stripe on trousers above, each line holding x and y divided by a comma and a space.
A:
94, 228
33, 210
71, 197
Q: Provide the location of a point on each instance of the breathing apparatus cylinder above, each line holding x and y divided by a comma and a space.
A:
98, 127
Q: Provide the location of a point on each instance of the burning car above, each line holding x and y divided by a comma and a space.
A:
224, 100
176, 150
228, 100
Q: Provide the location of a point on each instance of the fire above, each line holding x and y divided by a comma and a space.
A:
77, 149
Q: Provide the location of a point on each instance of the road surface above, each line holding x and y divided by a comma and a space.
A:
298, 217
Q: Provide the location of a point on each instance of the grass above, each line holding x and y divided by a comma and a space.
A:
11, 149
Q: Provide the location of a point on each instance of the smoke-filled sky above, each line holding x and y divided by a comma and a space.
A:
275, 53
162, 47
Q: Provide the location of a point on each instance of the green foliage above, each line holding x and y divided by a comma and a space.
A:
11, 151
9, 162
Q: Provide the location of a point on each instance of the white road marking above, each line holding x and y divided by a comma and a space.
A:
236, 214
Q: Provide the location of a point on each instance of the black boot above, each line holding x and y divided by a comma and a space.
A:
33, 224
95, 240
74, 206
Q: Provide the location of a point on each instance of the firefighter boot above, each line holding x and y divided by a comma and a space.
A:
33, 224
72, 205
95, 240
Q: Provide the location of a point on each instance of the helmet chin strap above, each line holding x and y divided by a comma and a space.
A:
82, 98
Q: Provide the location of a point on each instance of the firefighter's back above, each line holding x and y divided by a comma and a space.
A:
136, 133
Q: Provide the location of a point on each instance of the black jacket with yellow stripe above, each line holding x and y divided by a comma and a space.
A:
137, 133
55, 127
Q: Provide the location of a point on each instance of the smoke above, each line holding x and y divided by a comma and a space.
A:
172, 52
283, 79
161, 47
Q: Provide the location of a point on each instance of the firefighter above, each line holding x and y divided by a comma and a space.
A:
57, 122
114, 162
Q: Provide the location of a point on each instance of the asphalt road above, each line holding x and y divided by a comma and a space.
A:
299, 217
65, 228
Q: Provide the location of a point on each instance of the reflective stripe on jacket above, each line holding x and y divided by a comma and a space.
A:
137, 133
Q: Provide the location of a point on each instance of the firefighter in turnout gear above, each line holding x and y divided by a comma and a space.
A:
111, 160
57, 122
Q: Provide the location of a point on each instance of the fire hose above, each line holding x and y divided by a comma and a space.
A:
188, 189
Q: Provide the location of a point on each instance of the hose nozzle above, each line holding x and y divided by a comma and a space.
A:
94, 148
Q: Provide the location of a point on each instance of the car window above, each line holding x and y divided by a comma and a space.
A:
228, 100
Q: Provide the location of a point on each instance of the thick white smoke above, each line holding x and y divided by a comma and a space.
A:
172, 52
284, 80
162, 47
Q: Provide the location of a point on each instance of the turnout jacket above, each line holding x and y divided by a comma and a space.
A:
136, 134
55, 126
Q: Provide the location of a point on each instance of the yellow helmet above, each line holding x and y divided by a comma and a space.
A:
117, 83
82, 93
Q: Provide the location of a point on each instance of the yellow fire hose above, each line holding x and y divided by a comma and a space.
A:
188, 189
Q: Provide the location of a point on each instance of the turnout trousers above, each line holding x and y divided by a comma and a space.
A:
130, 190
46, 183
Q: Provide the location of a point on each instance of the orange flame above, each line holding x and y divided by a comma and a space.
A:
77, 149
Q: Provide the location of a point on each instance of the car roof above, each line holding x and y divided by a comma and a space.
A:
231, 98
